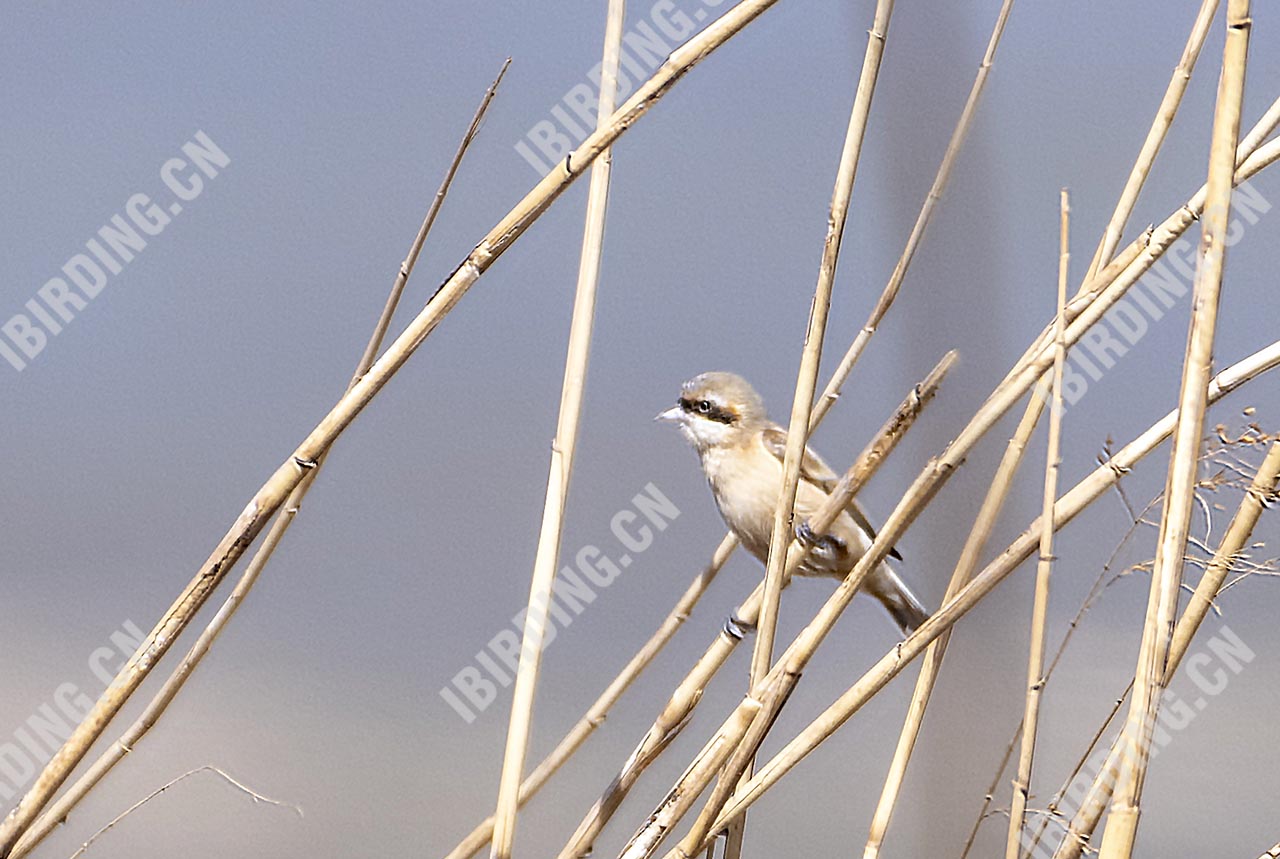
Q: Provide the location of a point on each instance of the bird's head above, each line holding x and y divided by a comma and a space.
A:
716, 409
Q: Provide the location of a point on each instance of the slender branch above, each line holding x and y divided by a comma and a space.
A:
57, 813
1166, 576
1155, 137
1044, 570
547, 557
271, 496
250, 792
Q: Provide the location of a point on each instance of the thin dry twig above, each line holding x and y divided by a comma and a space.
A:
547, 556
1260, 493
240, 786
1044, 570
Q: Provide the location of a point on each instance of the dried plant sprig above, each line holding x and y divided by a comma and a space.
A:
1067, 508
243, 788
1155, 137
679, 707
57, 813
1122, 825
807, 376
547, 555
271, 496
1260, 493
1044, 569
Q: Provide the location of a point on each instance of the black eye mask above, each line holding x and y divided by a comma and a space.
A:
708, 410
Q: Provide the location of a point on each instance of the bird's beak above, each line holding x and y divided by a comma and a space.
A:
675, 413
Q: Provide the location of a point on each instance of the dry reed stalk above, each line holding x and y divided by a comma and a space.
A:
1263, 488
1067, 508
1121, 830
890, 293
679, 708
57, 814
811, 357
807, 376
563, 447
1044, 569
1155, 136
271, 496
677, 802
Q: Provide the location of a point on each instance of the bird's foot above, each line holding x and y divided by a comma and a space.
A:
810, 539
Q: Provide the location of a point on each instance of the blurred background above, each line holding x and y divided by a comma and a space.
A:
139, 433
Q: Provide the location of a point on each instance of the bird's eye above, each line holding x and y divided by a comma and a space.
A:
704, 406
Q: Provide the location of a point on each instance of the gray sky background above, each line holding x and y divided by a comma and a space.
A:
141, 430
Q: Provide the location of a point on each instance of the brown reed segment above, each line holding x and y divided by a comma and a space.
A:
271, 496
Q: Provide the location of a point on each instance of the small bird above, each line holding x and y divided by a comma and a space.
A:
741, 451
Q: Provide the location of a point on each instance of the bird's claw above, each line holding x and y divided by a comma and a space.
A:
806, 535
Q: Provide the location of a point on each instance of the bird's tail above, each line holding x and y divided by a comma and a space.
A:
903, 606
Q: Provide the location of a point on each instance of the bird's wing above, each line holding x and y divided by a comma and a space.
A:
817, 472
